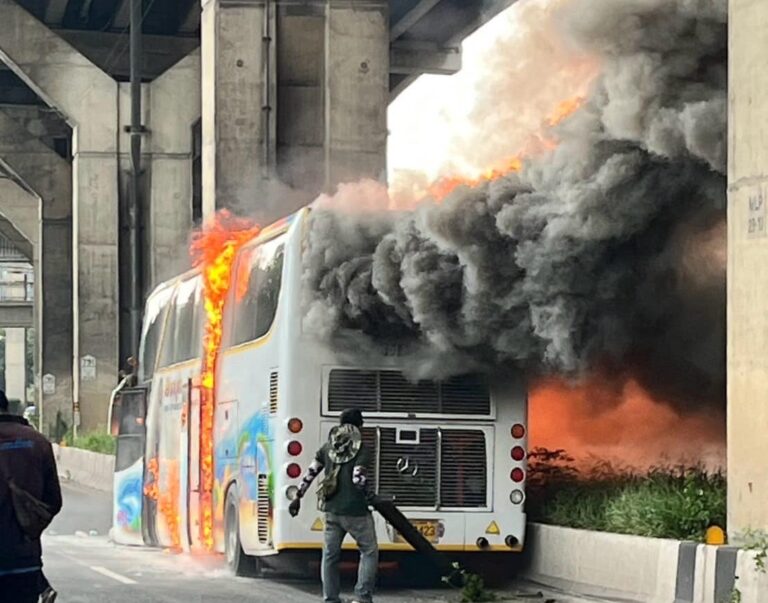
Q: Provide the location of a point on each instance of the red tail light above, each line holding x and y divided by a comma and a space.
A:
295, 448
517, 475
518, 453
293, 470
518, 431
295, 425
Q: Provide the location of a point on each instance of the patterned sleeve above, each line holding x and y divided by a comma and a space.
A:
360, 470
312, 472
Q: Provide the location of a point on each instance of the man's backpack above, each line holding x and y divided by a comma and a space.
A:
344, 443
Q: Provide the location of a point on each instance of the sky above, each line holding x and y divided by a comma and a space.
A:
434, 108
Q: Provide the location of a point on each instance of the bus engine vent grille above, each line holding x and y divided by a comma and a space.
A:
264, 509
447, 468
273, 393
388, 391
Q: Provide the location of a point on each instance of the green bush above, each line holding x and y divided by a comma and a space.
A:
665, 502
95, 441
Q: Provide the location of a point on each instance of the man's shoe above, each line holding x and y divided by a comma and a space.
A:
48, 595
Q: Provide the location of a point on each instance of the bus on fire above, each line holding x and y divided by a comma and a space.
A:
450, 453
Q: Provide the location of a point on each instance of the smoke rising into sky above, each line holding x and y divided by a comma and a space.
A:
604, 252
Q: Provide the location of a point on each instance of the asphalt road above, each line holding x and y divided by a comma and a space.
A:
85, 567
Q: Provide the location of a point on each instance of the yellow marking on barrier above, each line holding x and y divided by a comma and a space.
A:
715, 535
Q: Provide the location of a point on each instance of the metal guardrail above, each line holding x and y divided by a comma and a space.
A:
17, 291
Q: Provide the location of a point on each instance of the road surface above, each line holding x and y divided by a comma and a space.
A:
85, 567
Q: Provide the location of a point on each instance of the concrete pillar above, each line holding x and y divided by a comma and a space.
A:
294, 94
747, 272
49, 177
174, 107
88, 99
16, 364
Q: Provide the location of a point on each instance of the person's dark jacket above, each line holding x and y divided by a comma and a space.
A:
26, 457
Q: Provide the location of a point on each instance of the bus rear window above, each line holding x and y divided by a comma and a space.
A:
257, 289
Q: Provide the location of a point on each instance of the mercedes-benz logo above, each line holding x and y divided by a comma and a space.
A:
405, 467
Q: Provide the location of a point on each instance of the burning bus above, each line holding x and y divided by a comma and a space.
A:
234, 396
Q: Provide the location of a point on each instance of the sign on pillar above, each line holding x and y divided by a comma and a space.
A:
88, 368
49, 384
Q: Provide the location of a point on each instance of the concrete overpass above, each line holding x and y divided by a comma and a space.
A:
256, 105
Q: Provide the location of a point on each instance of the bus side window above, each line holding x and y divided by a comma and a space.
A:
184, 332
258, 291
154, 317
167, 346
182, 340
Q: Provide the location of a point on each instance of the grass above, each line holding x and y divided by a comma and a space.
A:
664, 502
95, 441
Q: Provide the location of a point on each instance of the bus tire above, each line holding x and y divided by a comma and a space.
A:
238, 562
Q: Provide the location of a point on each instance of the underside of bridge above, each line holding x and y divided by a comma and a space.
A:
255, 105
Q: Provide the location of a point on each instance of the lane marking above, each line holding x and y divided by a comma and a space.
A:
110, 574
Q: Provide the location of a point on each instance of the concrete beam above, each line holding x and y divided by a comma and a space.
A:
410, 18
16, 315
87, 98
415, 59
54, 12
160, 52
19, 216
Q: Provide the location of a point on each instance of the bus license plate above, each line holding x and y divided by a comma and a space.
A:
428, 528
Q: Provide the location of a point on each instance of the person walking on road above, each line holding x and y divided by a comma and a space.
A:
343, 497
30, 496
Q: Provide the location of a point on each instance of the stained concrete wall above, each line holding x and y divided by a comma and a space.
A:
748, 268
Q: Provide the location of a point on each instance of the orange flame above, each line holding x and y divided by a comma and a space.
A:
565, 109
618, 421
167, 500
213, 250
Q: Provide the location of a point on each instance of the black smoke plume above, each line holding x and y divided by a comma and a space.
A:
605, 253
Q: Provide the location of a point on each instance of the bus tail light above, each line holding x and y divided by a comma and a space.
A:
293, 470
295, 425
518, 431
295, 448
517, 475
511, 541
291, 492
482, 543
518, 453
516, 497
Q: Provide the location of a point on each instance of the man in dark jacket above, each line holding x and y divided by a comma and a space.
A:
343, 496
26, 459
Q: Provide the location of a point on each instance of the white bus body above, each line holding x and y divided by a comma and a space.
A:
443, 450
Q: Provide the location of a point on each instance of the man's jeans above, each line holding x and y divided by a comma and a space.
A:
364, 533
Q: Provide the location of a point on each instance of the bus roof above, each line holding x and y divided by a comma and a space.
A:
265, 233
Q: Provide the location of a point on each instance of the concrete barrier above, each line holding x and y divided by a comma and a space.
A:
600, 564
642, 570
84, 467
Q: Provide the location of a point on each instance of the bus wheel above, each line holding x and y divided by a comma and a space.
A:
240, 563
